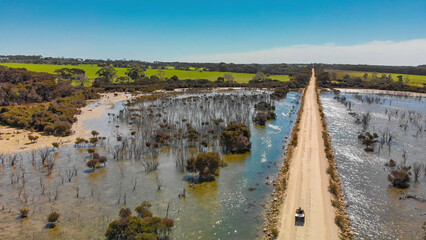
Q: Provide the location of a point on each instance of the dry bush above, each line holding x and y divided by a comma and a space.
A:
53, 217
24, 212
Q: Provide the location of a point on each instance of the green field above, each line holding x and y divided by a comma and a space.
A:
181, 74
414, 80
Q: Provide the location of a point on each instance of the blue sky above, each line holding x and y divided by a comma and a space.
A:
186, 30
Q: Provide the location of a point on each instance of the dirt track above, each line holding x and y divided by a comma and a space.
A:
308, 180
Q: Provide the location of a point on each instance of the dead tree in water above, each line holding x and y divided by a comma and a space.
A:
71, 173
404, 156
50, 163
365, 120
2, 158
42, 186
386, 138
416, 170
13, 159
44, 155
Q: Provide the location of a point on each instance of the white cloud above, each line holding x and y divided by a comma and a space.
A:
411, 52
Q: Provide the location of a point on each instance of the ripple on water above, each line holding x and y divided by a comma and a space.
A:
375, 209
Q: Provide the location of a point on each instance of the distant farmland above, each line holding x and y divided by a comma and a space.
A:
414, 80
181, 74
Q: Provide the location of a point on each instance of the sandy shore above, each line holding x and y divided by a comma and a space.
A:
13, 140
308, 181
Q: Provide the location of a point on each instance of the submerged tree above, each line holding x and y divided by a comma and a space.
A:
23, 212
399, 178
52, 218
236, 138
143, 209
416, 170
205, 164
264, 112
260, 118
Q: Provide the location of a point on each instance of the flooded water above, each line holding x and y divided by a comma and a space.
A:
229, 208
373, 205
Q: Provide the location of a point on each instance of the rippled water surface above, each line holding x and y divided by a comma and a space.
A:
223, 209
373, 205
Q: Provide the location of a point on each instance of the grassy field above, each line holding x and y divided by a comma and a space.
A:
414, 80
181, 74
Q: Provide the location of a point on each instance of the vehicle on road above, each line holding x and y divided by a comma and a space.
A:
300, 215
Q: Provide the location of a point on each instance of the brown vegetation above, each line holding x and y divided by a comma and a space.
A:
236, 138
205, 164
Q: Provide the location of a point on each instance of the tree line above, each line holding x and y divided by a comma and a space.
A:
270, 69
383, 82
415, 70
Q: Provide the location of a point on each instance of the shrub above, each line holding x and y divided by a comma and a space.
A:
102, 160
161, 136
399, 178
274, 232
333, 188
24, 212
92, 163
236, 138
335, 203
79, 141
271, 115
331, 172
294, 140
143, 212
168, 222
32, 138
340, 221
205, 164
391, 163
52, 218
125, 212
138, 228
260, 118
96, 155
94, 140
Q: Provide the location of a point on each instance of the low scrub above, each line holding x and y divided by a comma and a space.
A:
55, 118
399, 178
143, 226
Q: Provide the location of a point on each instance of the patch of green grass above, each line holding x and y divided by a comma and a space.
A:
90, 69
283, 78
414, 80
181, 74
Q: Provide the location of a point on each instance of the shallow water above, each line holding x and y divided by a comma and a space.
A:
374, 207
223, 209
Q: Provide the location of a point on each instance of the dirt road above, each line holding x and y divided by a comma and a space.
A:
308, 180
